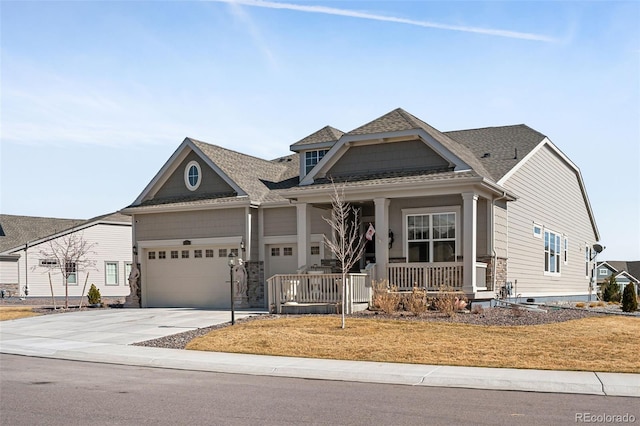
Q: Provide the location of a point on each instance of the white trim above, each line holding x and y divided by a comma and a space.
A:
112, 262
187, 181
566, 159
559, 254
457, 210
538, 227
347, 141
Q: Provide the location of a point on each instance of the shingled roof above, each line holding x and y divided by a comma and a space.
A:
499, 149
249, 172
326, 134
16, 231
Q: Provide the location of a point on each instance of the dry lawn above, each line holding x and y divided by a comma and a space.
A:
606, 344
15, 312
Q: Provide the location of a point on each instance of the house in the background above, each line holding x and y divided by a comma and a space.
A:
25, 272
481, 211
624, 272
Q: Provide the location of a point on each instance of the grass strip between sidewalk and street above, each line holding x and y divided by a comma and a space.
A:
604, 344
16, 312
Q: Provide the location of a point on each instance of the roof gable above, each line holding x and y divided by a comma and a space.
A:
327, 136
399, 125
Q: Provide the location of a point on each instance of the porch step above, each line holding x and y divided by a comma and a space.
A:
318, 308
309, 308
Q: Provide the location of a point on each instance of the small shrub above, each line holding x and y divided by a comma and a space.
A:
593, 304
477, 309
449, 301
610, 290
94, 295
517, 311
629, 299
580, 305
600, 303
385, 299
417, 301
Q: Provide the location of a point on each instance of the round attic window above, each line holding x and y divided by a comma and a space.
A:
192, 175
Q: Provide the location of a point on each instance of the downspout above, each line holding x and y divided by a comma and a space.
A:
26, 270
494, 266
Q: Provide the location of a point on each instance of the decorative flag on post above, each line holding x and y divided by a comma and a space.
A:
370, 232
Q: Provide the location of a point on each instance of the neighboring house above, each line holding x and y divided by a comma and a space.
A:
470, 209
24, 270
624, 272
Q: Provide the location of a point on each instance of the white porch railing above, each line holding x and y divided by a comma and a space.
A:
317, 288
432, 276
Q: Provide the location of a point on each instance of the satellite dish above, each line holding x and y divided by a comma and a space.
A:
598, 248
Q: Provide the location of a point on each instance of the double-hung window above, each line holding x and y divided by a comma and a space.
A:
431, 237
111, 273
311, 158
552, 252
72, 273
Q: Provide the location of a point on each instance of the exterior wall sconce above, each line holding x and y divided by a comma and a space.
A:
242, 245
135, 250
391, 239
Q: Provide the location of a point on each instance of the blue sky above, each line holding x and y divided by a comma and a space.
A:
96, 95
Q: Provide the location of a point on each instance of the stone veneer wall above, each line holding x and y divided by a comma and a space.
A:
501, 271
12, 290
255, 284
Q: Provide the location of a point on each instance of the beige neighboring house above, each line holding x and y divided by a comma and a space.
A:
471, 209
24, 270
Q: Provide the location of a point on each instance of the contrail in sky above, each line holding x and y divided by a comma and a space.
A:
363, 15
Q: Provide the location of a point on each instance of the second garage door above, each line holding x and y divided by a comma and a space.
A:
187, 277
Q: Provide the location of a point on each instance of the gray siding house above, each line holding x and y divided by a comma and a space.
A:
471, 210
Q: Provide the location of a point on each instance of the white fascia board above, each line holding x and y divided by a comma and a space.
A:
172, 164
163, 174
311, 146
346, 141
628, 275
576, 169
611, 268
165, 208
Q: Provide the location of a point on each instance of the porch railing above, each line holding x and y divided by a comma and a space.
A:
317, 288
431, 276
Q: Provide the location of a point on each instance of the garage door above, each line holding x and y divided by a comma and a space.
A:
187, 277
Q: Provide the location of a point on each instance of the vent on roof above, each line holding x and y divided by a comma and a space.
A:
486, 155
515, 157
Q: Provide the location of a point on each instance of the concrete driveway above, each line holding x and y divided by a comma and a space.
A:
106, 336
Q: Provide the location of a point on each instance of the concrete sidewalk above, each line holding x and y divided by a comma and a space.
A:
106, 336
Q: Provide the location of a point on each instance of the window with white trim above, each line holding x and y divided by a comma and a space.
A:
72, 273
192, 175
431, 237
311, 158
111, 273
604, 271
537, 230
48, 263
552, 252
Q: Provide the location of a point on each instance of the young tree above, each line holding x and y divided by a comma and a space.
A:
611, 290
69, 254
347, 245
629, 298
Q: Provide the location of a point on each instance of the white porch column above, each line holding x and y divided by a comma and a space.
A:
304, 233
469, 220
382, 236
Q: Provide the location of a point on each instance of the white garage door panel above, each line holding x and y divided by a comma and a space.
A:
187, 282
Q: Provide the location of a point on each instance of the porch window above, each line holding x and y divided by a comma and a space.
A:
551, 252
431, 237
311, 158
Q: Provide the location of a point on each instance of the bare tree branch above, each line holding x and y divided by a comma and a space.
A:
347, 245
69, 254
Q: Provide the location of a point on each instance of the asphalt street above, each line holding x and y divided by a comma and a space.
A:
59, 392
